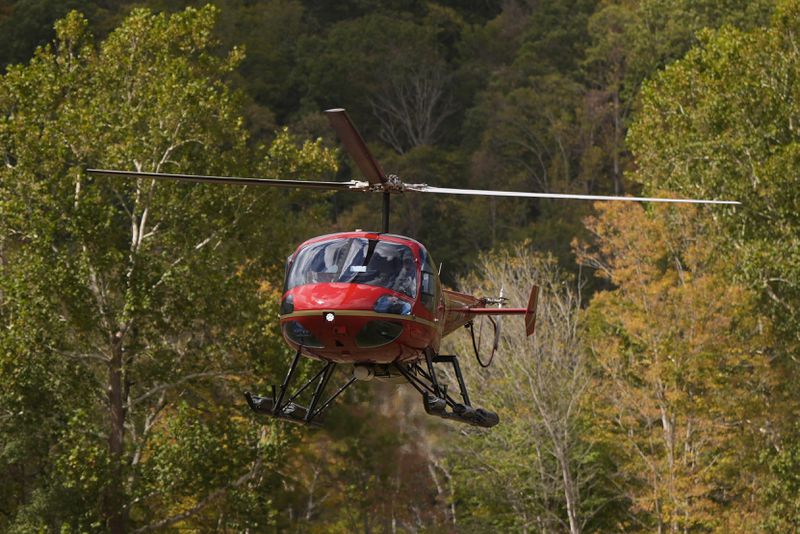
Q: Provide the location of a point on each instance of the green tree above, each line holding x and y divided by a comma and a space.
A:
630, 40
397, 77
663, 31
532, 126
721, 122
135, 312
270, 33
26, 24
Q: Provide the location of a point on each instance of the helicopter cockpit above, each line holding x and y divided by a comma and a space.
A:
355, 260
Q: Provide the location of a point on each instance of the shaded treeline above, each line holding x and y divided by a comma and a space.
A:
516, 95
658, 393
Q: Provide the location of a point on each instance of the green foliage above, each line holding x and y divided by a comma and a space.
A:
718, 123
26, 24
783, 492
270, 33
153, 289
664, 31
538, 470
554, 39
165, 293
371, 53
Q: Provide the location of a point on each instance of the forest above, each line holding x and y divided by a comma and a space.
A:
660, 391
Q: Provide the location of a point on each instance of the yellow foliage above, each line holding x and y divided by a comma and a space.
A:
681, 368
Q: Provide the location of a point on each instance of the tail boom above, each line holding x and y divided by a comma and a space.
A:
529, 312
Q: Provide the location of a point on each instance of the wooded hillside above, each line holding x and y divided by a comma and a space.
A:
659, 393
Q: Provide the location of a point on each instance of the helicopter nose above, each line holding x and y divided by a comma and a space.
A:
331, 330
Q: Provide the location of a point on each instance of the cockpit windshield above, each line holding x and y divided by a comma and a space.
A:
356, 261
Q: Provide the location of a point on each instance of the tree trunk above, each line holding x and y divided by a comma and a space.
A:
619, 189
115, 514
569, 493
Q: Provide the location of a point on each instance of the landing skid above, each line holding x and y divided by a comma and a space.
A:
435, 398
281, 407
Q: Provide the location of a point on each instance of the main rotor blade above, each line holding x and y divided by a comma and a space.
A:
355, 146
235, 180
519, 194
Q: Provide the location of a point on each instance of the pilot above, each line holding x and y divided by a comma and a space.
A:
382, 269
405, 280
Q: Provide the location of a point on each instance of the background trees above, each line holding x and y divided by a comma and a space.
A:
682, 376
157, 290
732, 130
711, 135
660, 395
537, 471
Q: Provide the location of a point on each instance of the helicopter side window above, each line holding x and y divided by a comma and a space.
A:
429, 289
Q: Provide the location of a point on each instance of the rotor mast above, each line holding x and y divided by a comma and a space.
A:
386, 199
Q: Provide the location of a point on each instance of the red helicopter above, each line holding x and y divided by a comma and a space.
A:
373, 300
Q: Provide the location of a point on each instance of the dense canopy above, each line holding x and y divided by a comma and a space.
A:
659, 391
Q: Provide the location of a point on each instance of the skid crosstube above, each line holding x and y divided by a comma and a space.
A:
435, 398
280, 407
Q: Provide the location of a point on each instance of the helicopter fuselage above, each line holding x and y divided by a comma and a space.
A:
367, 297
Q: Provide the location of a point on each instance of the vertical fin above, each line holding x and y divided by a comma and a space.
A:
530, 315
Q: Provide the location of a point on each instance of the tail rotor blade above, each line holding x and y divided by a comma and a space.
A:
498, 325
355, 146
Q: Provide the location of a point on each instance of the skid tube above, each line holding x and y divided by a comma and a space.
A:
289, 410
435, 397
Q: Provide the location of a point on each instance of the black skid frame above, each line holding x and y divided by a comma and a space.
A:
436, 400
289, 410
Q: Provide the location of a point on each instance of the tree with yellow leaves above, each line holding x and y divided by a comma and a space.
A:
681, 375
